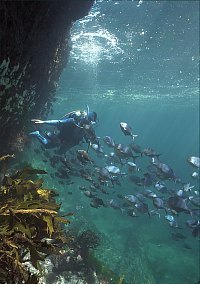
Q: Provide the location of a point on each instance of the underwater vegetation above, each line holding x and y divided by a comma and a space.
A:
32, 231
29, 217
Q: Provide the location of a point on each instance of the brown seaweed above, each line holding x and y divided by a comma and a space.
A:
28, 215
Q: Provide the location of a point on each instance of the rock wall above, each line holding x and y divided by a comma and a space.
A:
34, 49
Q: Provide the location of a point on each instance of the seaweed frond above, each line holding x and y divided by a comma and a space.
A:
8, 156
29, 215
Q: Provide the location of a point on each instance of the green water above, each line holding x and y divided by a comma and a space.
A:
138, 65
140, 248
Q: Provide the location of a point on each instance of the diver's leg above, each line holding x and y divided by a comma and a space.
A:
42, 139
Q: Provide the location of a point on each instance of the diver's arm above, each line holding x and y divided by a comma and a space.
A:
53, 122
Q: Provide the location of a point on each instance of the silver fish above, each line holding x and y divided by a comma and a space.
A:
113, 170
194, 161
172, 222
131, 198
127, 130
109, 141
161, 187
195, 200
132, 167
123, 151
97, 148
195, 175
169, 218
187, 187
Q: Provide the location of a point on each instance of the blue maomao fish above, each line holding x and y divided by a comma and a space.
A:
159, 204
97, 202
109, 141
127, 130
105, 175
147, 179
132, 167
172, 222
194, 161
195, 200
192, 223
115, 205
97, 148
165, 170
142, 207
195, 175
136, 148
150, 153
161, 187
113, 170
131, 198
178, 204
123, 151
149, 193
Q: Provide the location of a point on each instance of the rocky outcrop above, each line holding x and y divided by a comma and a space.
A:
35, 44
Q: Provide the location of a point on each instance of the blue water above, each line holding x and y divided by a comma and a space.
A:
137, 62
142, 249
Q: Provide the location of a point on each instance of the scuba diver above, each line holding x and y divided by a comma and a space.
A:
69, 130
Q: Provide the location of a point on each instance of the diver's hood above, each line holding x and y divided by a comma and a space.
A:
92, 116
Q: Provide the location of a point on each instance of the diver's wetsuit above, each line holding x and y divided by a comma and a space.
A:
71, 130
70, 134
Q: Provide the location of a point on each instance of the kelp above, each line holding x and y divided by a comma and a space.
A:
5, 157
29, 215
4, 164
32, 229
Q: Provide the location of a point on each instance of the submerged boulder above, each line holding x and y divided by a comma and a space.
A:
35, 45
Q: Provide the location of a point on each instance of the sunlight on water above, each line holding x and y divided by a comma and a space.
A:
92, 47
93, 43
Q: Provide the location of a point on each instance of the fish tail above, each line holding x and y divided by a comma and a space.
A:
133, 136
88, 148
158, 155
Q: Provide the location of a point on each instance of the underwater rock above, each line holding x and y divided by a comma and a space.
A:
35, 44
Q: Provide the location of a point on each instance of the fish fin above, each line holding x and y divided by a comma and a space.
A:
87, 109
88, 148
